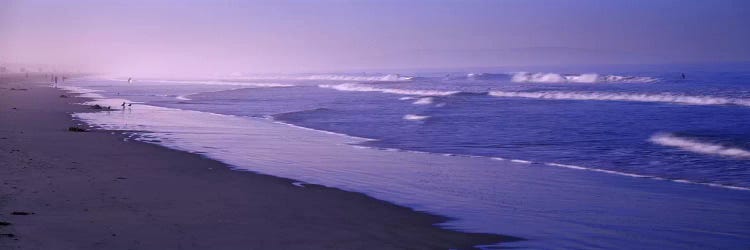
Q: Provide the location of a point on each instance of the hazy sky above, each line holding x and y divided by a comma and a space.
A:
180, 37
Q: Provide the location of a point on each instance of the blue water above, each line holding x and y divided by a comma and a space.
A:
653, 125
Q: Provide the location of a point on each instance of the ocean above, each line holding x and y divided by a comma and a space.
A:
618, 159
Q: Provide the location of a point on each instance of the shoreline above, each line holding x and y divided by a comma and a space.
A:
94, 190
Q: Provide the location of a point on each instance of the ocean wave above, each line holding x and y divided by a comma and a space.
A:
384, 78
567, 166
82, 92
411, 117
365, 88
333, 77
645, 176
226, 82
577, 78
554, 95
424, 101
696, 146
605, 96
487, 76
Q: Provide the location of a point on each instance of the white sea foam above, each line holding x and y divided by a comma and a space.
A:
423, 101
384, 78
412, 117
331, 77
82, 92
521, 161
606, 96
697, 146
565, 166
557, 95
596, 170
226, 82
365, 88
577, 78
320, 131
644, 176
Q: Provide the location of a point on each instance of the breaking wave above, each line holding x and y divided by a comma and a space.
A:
385, 78
577, 78
225, 82
411, 117
82, 92
183, 98
696, 146
552, 95
424, 101
364, 88
333, 77
605, 96
487, 76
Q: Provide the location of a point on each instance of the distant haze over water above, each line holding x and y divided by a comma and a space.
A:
198, 38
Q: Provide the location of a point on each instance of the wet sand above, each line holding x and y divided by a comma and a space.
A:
93, 190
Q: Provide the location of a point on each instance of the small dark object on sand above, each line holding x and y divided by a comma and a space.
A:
8, 235
97, 106
76, 129
63, 96
5, 223
21, 213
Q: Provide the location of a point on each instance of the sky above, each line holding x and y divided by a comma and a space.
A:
171, 37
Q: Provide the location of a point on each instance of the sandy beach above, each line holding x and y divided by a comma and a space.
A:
94, 190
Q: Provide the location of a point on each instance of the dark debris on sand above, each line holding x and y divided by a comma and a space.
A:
97, 106
77, 129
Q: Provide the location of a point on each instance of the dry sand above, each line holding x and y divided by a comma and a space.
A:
92, 190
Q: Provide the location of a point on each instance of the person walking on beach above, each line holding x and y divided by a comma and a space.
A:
123, 105
55, 81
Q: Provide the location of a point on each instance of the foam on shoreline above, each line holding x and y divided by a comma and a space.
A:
554, 95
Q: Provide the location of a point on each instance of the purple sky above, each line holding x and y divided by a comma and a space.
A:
198, 37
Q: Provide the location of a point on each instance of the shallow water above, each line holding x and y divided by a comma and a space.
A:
567, 161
